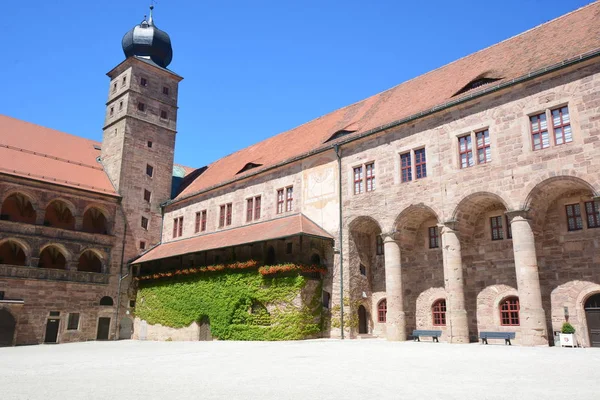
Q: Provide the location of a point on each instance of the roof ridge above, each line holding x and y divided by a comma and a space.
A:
37, 153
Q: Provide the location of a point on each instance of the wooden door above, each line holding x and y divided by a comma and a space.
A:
363, 326
7, 328
593, 323
51, 330
103, 328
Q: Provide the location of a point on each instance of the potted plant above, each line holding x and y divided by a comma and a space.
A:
567, 337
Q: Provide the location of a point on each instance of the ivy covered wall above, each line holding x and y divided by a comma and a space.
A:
240, 305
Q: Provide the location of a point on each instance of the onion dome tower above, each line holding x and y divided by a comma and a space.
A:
147, 41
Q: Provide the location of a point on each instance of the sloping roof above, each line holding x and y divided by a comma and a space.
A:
296, 224
564, 38
44, 154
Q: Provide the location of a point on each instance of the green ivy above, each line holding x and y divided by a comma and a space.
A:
235, 303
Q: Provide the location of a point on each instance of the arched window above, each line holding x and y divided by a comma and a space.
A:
438, 311
315, 259
51, 257
89, 262
18, 208
509, 311
95, 222
106, 301
59, 215
382, 311
12, 253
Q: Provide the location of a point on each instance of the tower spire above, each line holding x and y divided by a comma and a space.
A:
151, 20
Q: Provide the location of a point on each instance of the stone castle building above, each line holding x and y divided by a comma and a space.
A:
463, 200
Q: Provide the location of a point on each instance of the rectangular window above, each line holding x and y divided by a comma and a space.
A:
497, 230
289, 248
370, 176
147, 195
144, 82
257, 207
229, 209
177, 227
149, 170
141, 107
73, 322
508, 228
434, 237
203, 221
363, 270
249, 209
142, 245
120, 105
222, 216
124, 81
539, 131
358, 180
420, 164
484, 149
289, 199
326, 299
144, 222
405, 167
574, 221
592, 211
378, 245
165, 90
149, 144
561, 122
465, 150
163, 114
114, 87
279, 201
112, 111
197, 222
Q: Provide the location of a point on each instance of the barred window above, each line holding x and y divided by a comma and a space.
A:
592, 211
438, 311
509, 311
497, 229
434, 237
574, 221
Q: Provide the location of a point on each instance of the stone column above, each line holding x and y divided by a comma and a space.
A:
456, 313
532, 317
395, 320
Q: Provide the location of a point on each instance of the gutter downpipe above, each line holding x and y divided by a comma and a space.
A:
341, 251
121, 276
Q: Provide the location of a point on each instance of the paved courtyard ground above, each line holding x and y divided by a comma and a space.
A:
322, 369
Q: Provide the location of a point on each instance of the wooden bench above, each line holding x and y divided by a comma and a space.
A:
484, 336
434, 334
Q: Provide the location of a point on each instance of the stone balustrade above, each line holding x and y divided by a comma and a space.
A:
14, 271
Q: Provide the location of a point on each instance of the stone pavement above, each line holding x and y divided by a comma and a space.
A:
319, 369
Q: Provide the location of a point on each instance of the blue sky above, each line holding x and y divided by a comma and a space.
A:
252, 69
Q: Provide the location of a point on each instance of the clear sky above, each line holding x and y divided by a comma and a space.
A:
252, 69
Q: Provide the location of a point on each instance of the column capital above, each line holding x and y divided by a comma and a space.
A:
523, 214
389, 236
449, 225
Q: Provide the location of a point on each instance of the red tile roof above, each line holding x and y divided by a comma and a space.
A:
44, 154
292, 225
564, 38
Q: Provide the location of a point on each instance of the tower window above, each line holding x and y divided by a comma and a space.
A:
165, 90
163, 114
142, 245
149, 170
147, 195
144, 82
114, 87
141, 107
112, 111
150, 144
120, 106
124, 81
144, 222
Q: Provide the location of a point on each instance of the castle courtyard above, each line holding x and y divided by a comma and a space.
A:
318, 369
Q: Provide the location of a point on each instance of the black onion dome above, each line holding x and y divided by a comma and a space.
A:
147, 41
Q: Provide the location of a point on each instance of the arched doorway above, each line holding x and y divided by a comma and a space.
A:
12, 253
94, 221
52, 257
204, 333
89, 262
592, 315
363, 326
7, 328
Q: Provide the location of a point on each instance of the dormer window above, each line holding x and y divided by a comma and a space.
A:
482, 80
249, 166
339, 134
